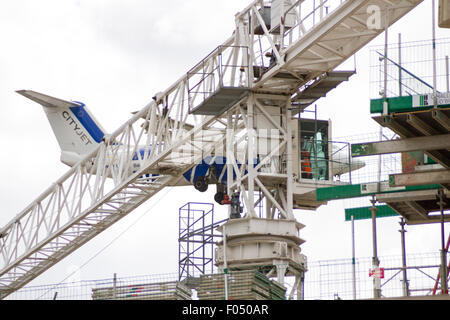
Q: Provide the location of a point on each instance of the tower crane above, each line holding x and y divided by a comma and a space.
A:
235, 91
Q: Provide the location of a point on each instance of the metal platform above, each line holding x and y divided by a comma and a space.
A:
417, 204
319, 88
417, 207
418, 124
220, 101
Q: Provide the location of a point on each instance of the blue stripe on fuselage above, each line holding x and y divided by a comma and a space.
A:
87, 122
219, 163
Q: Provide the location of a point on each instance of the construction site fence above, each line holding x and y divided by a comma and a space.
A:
324, 280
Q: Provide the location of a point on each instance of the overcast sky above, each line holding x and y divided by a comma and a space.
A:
114, 56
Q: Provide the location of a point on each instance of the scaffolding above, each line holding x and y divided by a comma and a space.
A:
196, 238
415, 104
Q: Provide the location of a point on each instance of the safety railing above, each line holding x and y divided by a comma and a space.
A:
225, 67
370, 169
298, 18
406, 69
306, 14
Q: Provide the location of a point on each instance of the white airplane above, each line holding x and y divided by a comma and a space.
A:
78, 133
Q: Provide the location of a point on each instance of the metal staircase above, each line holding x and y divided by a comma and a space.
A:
101, 189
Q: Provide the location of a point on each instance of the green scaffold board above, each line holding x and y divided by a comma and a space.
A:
410, 103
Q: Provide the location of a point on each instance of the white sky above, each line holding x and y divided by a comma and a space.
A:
114, 56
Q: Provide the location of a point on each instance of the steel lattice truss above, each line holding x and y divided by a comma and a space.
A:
103, 188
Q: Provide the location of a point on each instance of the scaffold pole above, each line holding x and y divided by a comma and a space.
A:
444, 282
375, 260
405, 284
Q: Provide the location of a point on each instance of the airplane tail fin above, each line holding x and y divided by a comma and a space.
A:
76, 130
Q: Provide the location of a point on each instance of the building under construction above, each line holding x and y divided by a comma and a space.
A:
244, 120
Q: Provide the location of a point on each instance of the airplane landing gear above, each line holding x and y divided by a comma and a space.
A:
201, 184
221, 196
